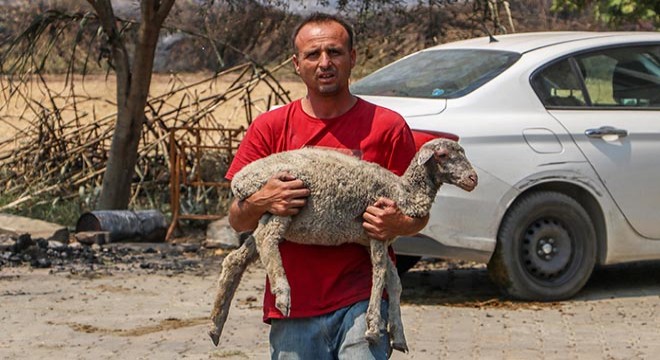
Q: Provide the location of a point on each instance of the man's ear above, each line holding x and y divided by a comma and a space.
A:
296, 65
353, 57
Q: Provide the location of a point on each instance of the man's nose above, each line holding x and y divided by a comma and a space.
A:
325, 60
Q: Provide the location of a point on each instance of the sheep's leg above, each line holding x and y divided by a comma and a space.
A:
379, 265
233, 268
397, 336
268, 235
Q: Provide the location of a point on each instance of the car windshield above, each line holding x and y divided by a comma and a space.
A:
436, 74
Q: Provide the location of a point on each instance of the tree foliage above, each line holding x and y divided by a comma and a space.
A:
615, 12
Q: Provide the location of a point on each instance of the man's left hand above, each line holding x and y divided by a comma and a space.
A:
384, 220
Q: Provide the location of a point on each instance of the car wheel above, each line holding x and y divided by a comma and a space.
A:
546, 248
405, 263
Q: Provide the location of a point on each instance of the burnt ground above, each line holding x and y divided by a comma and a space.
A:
184, 254
152, 301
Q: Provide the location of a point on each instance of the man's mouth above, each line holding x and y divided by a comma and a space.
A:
326, 76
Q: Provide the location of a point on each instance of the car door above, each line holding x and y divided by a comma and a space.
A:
609, 101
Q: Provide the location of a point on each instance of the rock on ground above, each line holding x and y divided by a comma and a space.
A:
220, 235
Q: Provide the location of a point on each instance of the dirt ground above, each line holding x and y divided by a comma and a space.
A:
450, 311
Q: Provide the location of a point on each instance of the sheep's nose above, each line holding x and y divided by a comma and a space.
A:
470, 183
474, 178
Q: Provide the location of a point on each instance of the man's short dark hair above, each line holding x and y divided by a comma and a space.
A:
319, 17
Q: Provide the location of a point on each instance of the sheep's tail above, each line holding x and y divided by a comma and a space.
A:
233, 268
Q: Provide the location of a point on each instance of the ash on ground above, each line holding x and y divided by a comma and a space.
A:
95, 259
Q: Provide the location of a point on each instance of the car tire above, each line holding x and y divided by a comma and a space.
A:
405, 263
546, 248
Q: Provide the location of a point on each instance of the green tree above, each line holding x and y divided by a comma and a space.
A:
614, 12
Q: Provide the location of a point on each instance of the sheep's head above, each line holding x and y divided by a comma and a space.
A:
448, 163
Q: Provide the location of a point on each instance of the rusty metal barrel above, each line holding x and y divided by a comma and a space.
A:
140, 225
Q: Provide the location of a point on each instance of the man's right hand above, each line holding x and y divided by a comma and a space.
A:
282, 195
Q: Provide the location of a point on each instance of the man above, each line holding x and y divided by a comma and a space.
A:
330, 285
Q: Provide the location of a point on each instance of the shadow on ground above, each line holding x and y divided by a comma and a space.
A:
624, 280
468, 285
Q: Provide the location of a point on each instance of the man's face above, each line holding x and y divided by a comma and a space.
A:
323, 60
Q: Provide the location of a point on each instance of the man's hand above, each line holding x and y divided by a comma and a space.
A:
282, 195
384, 221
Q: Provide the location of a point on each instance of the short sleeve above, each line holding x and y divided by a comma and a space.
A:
402, 150
255, 145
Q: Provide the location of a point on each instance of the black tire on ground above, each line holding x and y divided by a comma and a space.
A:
405, 263
546, 248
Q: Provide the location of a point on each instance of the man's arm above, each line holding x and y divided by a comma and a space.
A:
282, 195
384, 220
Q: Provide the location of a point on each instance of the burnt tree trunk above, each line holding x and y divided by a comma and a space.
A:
133, 81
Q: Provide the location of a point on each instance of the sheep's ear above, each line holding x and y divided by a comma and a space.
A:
424, 156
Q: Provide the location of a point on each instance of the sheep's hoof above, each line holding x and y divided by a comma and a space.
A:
215, 337
400, 347
372, 336
283, 308
282, 304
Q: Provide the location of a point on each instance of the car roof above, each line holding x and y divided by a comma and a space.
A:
526, 42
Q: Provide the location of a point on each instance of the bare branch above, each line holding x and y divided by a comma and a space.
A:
164, 10
120, 56
62, 151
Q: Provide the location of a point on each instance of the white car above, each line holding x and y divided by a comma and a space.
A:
564, 131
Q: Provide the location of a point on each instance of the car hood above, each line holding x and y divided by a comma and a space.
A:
408, 107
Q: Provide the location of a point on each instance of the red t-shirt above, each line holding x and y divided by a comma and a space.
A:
326, 278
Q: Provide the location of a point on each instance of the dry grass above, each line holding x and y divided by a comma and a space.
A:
97, 94
55, 133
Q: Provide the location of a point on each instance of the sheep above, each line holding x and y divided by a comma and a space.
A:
341, 187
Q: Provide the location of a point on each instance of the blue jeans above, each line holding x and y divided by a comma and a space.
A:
337, 335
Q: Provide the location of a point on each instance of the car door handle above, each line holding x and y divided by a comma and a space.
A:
606, 131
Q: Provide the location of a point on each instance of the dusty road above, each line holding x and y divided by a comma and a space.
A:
449, 313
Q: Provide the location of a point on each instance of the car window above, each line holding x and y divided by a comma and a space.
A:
558, 85
436, 73
623, 77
